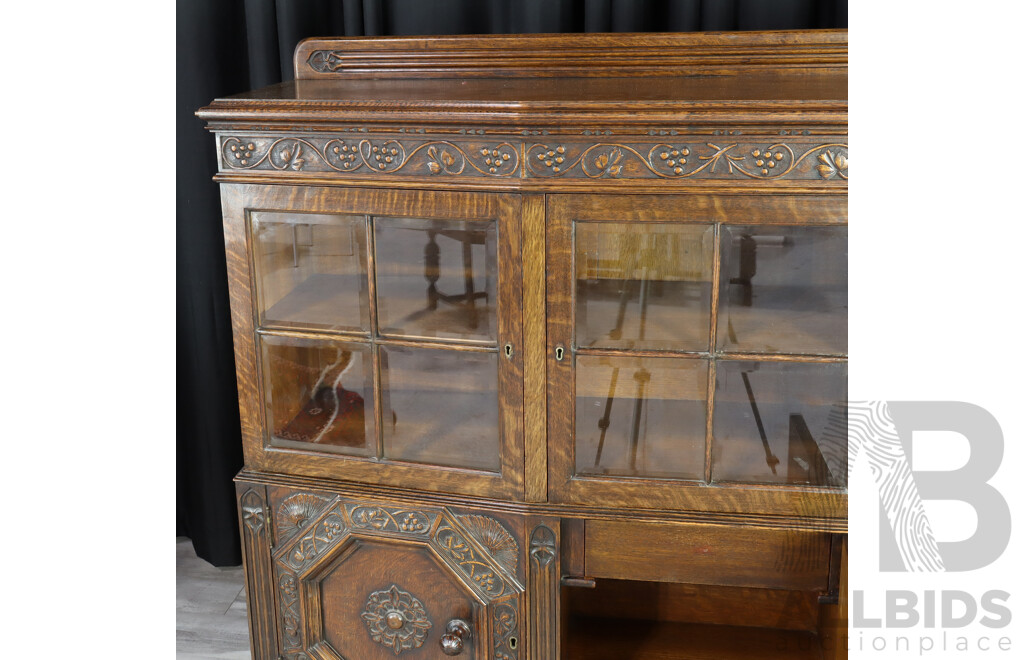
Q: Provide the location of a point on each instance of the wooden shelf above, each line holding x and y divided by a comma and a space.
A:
625, 639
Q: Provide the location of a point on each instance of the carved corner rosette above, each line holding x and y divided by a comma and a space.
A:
396, 619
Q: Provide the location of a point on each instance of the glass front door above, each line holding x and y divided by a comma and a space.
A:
705, 355
387, 336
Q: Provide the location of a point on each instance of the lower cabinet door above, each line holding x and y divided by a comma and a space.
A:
357, 580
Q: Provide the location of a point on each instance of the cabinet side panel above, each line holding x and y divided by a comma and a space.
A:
236, 246
254, 522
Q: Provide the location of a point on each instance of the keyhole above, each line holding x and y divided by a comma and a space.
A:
508, 351
513, 643
559, 353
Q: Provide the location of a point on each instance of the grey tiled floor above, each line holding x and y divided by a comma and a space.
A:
211, 622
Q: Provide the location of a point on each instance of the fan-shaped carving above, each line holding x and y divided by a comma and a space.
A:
500, 543
296, 511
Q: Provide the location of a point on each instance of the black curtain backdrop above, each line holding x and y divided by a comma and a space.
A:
229, 46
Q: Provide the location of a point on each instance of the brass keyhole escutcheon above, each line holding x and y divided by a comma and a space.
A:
559, 353
508, 351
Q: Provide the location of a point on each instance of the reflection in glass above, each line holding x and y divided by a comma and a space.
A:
643, 285
643, 417
440, 406
319, 394
780, 422
436, 278
783, 289
311, 270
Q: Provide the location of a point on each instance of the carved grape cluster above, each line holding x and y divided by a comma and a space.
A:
553, 158
675, 158
242, 152
412, 523
766, 160
494, 158
344, 153
383, 155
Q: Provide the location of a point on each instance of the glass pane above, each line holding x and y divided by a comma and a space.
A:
780, 422
643, 285
783, 290
436, 278
319, 395
440, 406
311, 270
643, 417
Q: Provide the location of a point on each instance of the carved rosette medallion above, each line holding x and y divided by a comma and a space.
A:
396, 619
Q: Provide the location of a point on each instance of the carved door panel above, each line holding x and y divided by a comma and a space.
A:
697, 352
378, 335
364, 581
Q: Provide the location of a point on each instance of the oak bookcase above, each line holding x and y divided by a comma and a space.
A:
541, 346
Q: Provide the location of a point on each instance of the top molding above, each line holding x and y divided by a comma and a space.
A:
573, 56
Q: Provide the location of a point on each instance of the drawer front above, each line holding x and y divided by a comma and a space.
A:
707, 554
369, 580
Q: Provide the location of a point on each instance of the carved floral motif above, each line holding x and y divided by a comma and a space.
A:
291, 635
383, 519
505, 625
324, 535
832, 164
396, 619
469, 561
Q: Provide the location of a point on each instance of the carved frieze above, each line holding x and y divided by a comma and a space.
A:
371, 156
723, 160
736, 158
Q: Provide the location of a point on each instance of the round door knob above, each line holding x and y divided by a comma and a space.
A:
454, 639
